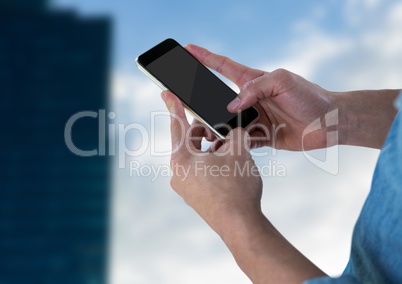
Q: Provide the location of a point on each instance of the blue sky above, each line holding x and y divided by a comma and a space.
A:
340, 45
243, 29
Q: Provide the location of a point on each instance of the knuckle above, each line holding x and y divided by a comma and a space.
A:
254, 89
221, 64
280, 72
282, 75
249, 87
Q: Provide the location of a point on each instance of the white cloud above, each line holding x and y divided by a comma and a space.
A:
309, 53
365, 55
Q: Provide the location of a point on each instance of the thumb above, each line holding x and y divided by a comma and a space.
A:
251, 92
238, 142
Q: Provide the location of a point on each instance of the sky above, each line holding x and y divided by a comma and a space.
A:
339, 45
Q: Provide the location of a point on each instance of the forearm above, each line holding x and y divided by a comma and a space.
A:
365, 117
263, 253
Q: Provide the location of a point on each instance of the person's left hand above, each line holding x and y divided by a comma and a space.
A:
219, 184
224, 187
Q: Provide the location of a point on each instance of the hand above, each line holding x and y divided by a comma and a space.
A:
287, 103
217, 184
229, 201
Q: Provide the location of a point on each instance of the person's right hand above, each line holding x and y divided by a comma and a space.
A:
287, 103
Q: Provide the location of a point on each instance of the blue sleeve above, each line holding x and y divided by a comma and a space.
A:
377, 237
344, 279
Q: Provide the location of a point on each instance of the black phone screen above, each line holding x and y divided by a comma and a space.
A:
198, 88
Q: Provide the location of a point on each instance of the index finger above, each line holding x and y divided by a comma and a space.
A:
179, 125
235, 72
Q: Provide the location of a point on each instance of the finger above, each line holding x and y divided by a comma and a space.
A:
178, 122
208, 134
258, 138
237, 142
197, 133
198, 125
215, 145
240, 137
235, 72
269, 85
249, 95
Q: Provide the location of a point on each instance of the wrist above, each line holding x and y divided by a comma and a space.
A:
246, 233
365, 117
347, 119
228, 219
263, 253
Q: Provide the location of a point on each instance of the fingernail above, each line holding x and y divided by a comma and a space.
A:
170, 104
163, 95
234, 104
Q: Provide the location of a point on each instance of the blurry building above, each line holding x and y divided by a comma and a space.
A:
53, 203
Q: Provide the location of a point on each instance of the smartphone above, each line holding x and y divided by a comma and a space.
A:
202, 93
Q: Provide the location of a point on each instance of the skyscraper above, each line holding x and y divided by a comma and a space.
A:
53, 203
